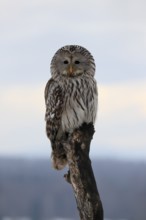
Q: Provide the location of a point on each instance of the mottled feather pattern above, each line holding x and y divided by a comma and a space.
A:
80, 103
70, 101
54, 108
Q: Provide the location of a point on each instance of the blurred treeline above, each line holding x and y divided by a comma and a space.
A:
32, 188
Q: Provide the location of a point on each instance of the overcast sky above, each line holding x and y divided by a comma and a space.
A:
114, 31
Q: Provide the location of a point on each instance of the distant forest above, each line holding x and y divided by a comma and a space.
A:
32, 188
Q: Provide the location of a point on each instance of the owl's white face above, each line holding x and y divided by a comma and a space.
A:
71, 65
72, 61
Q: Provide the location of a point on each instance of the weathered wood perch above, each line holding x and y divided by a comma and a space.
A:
80, 173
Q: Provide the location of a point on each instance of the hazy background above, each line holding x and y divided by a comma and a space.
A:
114, 31
31, 188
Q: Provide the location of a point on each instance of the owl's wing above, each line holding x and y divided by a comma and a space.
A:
54, 99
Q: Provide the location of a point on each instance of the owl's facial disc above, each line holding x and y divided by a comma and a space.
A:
72, 70
72, 66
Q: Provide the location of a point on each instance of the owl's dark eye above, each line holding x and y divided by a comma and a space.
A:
77, 62
65, 61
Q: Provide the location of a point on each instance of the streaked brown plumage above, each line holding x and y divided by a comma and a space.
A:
70, 96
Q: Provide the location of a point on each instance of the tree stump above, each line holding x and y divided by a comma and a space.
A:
81, 175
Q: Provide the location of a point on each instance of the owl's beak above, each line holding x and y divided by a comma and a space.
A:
70, 71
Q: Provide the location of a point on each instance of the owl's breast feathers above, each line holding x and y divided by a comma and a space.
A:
68, 105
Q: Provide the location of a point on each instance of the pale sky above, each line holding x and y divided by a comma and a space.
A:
114, 31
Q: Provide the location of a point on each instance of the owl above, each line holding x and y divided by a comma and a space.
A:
70, 96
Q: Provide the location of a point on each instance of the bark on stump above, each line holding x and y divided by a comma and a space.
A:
81, 175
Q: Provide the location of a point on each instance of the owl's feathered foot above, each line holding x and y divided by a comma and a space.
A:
59, 160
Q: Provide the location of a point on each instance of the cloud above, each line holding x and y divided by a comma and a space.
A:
121, 123
120, 126
31, 32
121, 97
22, 129
22, 20
114, 31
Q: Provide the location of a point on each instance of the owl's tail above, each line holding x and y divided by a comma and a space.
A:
59, 160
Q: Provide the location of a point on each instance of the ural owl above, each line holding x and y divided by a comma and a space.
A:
70, 97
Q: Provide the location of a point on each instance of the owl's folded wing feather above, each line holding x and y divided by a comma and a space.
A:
54, 107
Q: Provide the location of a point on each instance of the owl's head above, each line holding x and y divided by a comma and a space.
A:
72, 61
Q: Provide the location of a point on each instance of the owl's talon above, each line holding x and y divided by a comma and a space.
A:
67, 177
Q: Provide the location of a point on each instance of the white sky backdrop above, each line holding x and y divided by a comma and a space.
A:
114, 31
